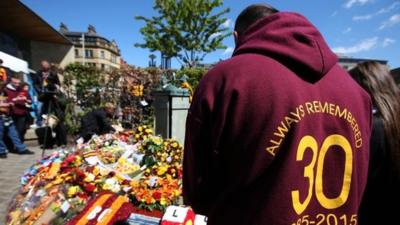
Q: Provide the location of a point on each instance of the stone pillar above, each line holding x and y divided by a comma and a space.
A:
171, 109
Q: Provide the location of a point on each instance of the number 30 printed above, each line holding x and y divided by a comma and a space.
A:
318, 158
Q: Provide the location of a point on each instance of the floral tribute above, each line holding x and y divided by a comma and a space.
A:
142, 168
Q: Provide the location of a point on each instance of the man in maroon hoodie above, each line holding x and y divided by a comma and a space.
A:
279, 133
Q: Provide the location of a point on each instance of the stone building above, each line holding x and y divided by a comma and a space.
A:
93, 49
25, 36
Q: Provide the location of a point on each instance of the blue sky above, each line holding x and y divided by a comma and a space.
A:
357, 28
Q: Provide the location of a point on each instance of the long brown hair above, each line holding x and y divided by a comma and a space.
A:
376, 79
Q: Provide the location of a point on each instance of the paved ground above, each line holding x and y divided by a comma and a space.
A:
10, 171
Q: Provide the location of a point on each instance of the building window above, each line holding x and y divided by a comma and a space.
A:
113, 58
90, 40
76, 52
103, 67
102, 55
89, 53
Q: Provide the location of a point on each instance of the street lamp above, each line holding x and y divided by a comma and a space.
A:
82, 39
152, 63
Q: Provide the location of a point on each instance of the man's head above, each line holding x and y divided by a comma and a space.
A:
250, 15
109, 108
15, 81
45, 65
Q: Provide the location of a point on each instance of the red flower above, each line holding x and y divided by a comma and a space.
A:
68, 160
83, 195
80, 174
65, 169
90, 187
156, 195
111, 174
180, 173
125, 182
89, 169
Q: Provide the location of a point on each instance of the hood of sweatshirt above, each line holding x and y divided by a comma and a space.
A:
292, 40
11, 87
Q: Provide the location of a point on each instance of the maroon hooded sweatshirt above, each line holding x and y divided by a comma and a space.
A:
279, 133
19, 108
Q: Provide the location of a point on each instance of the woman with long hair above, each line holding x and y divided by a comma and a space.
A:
381, 197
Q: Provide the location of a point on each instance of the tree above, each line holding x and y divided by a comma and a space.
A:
185, 29
82, 85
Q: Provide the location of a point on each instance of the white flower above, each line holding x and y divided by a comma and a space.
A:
152, 181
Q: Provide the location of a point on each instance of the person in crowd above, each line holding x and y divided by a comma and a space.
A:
7, 127
54, 104
44, 78
383, 185
26, 97
47, 86
97, 122
277, 134
3, 72
21, 101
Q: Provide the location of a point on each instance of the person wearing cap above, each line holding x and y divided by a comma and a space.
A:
97, 122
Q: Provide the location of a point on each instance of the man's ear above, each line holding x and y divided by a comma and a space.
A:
236, 37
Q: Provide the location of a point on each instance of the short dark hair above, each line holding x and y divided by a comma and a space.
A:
23, 84
18, 75
251, 14
1, 61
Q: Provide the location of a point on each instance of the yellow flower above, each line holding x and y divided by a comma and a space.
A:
163, 201
78, 161
89, 177
156, 140
174, 145
96, 171
58, 180
72, 191
122, 160
140, 128
176, 192
134, 184
161, 170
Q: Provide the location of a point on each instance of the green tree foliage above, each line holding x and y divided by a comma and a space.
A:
185, 29
193, 75
87, 88
82, 86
